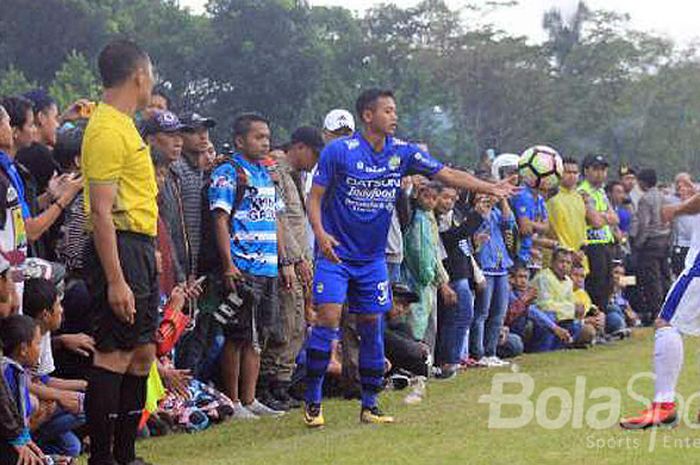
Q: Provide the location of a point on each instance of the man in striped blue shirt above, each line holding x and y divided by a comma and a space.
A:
248, 240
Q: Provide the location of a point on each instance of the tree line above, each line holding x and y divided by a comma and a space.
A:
594, 86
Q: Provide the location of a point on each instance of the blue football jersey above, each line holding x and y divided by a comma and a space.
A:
361, 191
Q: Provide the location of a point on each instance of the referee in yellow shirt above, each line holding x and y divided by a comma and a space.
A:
120, 201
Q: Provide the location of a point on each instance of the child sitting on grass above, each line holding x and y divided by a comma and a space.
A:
591, 314
21, 344
56, 435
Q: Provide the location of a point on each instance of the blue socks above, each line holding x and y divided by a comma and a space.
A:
371, 359
318, 354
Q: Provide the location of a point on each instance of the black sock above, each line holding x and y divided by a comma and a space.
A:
132, 399
101, 407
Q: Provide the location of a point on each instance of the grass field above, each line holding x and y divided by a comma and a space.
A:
451, 426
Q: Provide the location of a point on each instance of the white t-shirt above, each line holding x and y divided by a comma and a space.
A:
46, 364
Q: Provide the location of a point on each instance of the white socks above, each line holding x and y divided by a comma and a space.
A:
668, 361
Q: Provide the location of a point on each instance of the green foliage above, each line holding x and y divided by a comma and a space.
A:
74, 80
13, 82
595, 85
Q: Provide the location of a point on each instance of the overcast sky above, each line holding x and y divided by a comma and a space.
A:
677, 19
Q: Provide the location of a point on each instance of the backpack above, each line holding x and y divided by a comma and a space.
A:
209, 260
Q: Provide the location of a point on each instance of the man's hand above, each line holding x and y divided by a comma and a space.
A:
668, 213
70, 401
326, 244
80, 343
563, 335
530, 295
288, 276
232, 275
177, 381
177, 297
579, 311
121, 299
303, 269
449, 296
29, 454
481, 239
506, 188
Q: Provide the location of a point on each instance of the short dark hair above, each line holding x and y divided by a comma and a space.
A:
39, 294
17, 108
648, 177
68, 145
518, 266
569, 160
243, 123
15, 330
118, 60
368, 99
560, 251
41, 100
160, 91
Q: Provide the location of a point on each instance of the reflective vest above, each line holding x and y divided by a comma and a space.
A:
597, 235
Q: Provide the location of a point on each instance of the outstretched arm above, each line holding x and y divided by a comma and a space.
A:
689, 207
463, 180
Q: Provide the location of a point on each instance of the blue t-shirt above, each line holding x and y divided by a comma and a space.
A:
361, 191
625, 219
254, 223
529, 204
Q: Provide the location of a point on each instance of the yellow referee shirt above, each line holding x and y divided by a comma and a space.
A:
113, 152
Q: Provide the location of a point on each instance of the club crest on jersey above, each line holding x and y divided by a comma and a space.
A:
352, 143
394, 163
360, 165
383, 288
319, 288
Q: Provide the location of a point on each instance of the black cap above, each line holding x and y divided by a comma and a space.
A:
308, 136
595, 161
401, 291
162, 121
192, 121
626, 170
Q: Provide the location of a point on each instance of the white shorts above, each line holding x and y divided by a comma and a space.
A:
682, 305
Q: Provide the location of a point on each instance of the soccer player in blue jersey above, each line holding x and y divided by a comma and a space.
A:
350, 210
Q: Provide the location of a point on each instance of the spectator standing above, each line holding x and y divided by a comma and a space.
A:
248, 239
120, 198
682, 232
600, 216
190, 170
567, 214
651, 241
531, 215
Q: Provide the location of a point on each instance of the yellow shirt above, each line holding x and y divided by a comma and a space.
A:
113, 152
567, 219
555, 295
581, 297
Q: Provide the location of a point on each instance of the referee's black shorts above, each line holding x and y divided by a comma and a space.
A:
137, 256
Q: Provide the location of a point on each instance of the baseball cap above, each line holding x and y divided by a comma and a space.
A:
401, 291
308, 136
162, 121
193, 121
338, 119
595, 161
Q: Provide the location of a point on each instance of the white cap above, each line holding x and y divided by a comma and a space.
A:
504, 160
339, 119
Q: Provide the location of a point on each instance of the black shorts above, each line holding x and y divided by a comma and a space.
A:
258, 315
137, 256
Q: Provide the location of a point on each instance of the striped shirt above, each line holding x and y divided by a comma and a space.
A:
254, 223
191, 184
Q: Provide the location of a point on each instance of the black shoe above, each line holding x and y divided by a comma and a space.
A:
267, 398
281, 393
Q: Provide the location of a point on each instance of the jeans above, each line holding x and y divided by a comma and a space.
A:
598, 282
490, 310
56, 436
394, 270
453, 323
614, 321
512, 347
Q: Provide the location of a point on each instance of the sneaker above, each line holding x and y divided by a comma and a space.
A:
447, 372
242, 413
375, 416
418, 392
495, 362
659, 414
313, 416
261, 410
